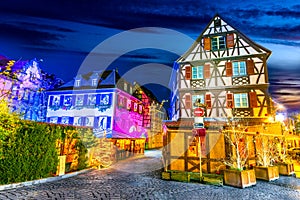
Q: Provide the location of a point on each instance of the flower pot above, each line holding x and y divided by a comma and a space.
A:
269, 173
286, 169
240, 179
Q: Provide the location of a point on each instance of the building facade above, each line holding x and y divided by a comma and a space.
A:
105, 102
224, 75
23, 85
155, 132
224, 70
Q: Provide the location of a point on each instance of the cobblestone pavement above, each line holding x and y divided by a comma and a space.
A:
139, 178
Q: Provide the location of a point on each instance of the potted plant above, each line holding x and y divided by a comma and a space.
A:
283, 159
265, 158
238, 175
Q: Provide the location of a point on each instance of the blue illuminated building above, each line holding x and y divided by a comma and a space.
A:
23, 85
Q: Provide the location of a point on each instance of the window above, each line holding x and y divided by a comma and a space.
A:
197, 98
79, 100
218, 42
125, 86
56, 101
217, 22
77, 83
241, 100
239, 68
91, 99
53, 120
65, 120
197, 72
68, 101
94, 82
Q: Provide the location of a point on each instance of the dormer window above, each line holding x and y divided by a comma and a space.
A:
77, 83
125, 86
94, 82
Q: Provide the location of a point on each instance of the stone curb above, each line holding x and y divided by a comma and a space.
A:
39, 181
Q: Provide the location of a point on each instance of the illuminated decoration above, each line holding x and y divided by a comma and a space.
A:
23, 84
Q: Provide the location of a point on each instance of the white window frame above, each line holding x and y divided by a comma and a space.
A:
77, 83
89, 102
197, 72
94, 82
77, 100
216, 43
241, 100
239, 68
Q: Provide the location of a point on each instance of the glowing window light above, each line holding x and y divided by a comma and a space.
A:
280, 117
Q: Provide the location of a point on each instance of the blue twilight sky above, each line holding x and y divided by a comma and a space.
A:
66, 33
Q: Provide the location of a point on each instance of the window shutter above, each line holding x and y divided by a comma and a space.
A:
125, 102
71, 120
128, 104
50, 101
208, 100
228, 68
188, 72
73, 100
253, 99
120, 101
61, 103
250, 67
229, 100
85, 97
207, 44
230, 40
188, 101
206, 70
140, 108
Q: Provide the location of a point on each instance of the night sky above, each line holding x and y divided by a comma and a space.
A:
74, 36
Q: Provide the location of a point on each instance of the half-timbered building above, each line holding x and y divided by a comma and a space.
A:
226, 71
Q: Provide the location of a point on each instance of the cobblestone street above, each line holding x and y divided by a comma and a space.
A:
139, 178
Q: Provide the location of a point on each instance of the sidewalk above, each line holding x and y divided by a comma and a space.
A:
119, 166
44, 180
